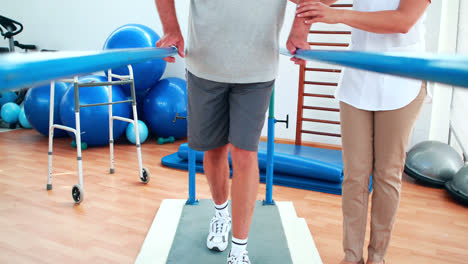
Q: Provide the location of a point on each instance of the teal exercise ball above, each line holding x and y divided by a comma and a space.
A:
94, 121
146, 74
37, 107
23, 120
7, 97
10, 113
142, 130
166, 100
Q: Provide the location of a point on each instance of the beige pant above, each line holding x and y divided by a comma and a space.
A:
373, 143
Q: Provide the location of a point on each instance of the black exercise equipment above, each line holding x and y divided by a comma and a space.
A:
433, 163
9, 28
458, 186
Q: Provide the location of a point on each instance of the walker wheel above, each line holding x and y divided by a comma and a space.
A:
77, 193
146, 176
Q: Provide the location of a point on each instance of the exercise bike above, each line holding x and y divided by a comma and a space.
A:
9, 28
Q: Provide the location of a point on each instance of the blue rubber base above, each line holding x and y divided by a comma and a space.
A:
174, 161
301, 161
313, 168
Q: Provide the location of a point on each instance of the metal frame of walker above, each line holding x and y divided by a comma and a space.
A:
77, 190
269, 167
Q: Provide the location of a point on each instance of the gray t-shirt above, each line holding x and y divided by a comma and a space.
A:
234, 41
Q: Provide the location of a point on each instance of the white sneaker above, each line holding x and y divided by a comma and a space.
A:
242, 259
218, 238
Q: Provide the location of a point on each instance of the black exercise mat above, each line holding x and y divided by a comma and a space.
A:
267, 241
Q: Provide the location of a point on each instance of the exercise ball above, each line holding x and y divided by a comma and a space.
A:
142, 130
433, 163
36, 108
146, 74
23, 120
458, 186
94, 121
7, 97
10, 113
162, 103
140, 100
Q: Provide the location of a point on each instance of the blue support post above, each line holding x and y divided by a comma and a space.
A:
192, 174
270, 151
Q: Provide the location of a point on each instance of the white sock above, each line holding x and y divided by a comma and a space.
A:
238, 246
222, 209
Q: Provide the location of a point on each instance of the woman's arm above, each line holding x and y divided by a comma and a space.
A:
298, 36
327, 2
390, 21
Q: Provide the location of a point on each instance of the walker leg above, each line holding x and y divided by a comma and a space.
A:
77, 190
143, 172
111, 125
51, 134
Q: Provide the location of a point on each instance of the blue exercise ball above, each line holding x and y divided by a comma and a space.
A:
36, 107
142, 130
7, 97
140, 100
146, 74
10, 113
163, 102
94, 121
23, 120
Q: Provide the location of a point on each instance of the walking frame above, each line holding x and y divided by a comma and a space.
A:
77, 190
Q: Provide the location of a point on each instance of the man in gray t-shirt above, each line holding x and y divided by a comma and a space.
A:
232, 62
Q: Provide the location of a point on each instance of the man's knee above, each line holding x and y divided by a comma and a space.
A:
218, 153
243, 156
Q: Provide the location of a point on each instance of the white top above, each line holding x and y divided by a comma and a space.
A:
234, 41
375, 91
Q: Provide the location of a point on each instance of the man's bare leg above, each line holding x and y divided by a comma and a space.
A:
216, 167
217, 172
243, 190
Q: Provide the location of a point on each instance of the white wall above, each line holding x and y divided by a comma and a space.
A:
459, 107
423, 124
85, 24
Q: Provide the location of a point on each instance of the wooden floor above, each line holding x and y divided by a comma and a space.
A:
37, 226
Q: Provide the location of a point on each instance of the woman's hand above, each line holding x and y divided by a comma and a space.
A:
172, 38
314, 12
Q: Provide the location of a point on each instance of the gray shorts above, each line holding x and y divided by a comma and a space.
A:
222, 113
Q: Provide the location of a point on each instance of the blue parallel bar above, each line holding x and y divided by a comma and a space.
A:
448, 69
19, 70
270, 152
192, 174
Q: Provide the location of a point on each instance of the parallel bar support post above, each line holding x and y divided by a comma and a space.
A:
270, 152
192, 174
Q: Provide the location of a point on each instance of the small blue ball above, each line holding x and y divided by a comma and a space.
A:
142, 129
10, 113
23, 120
